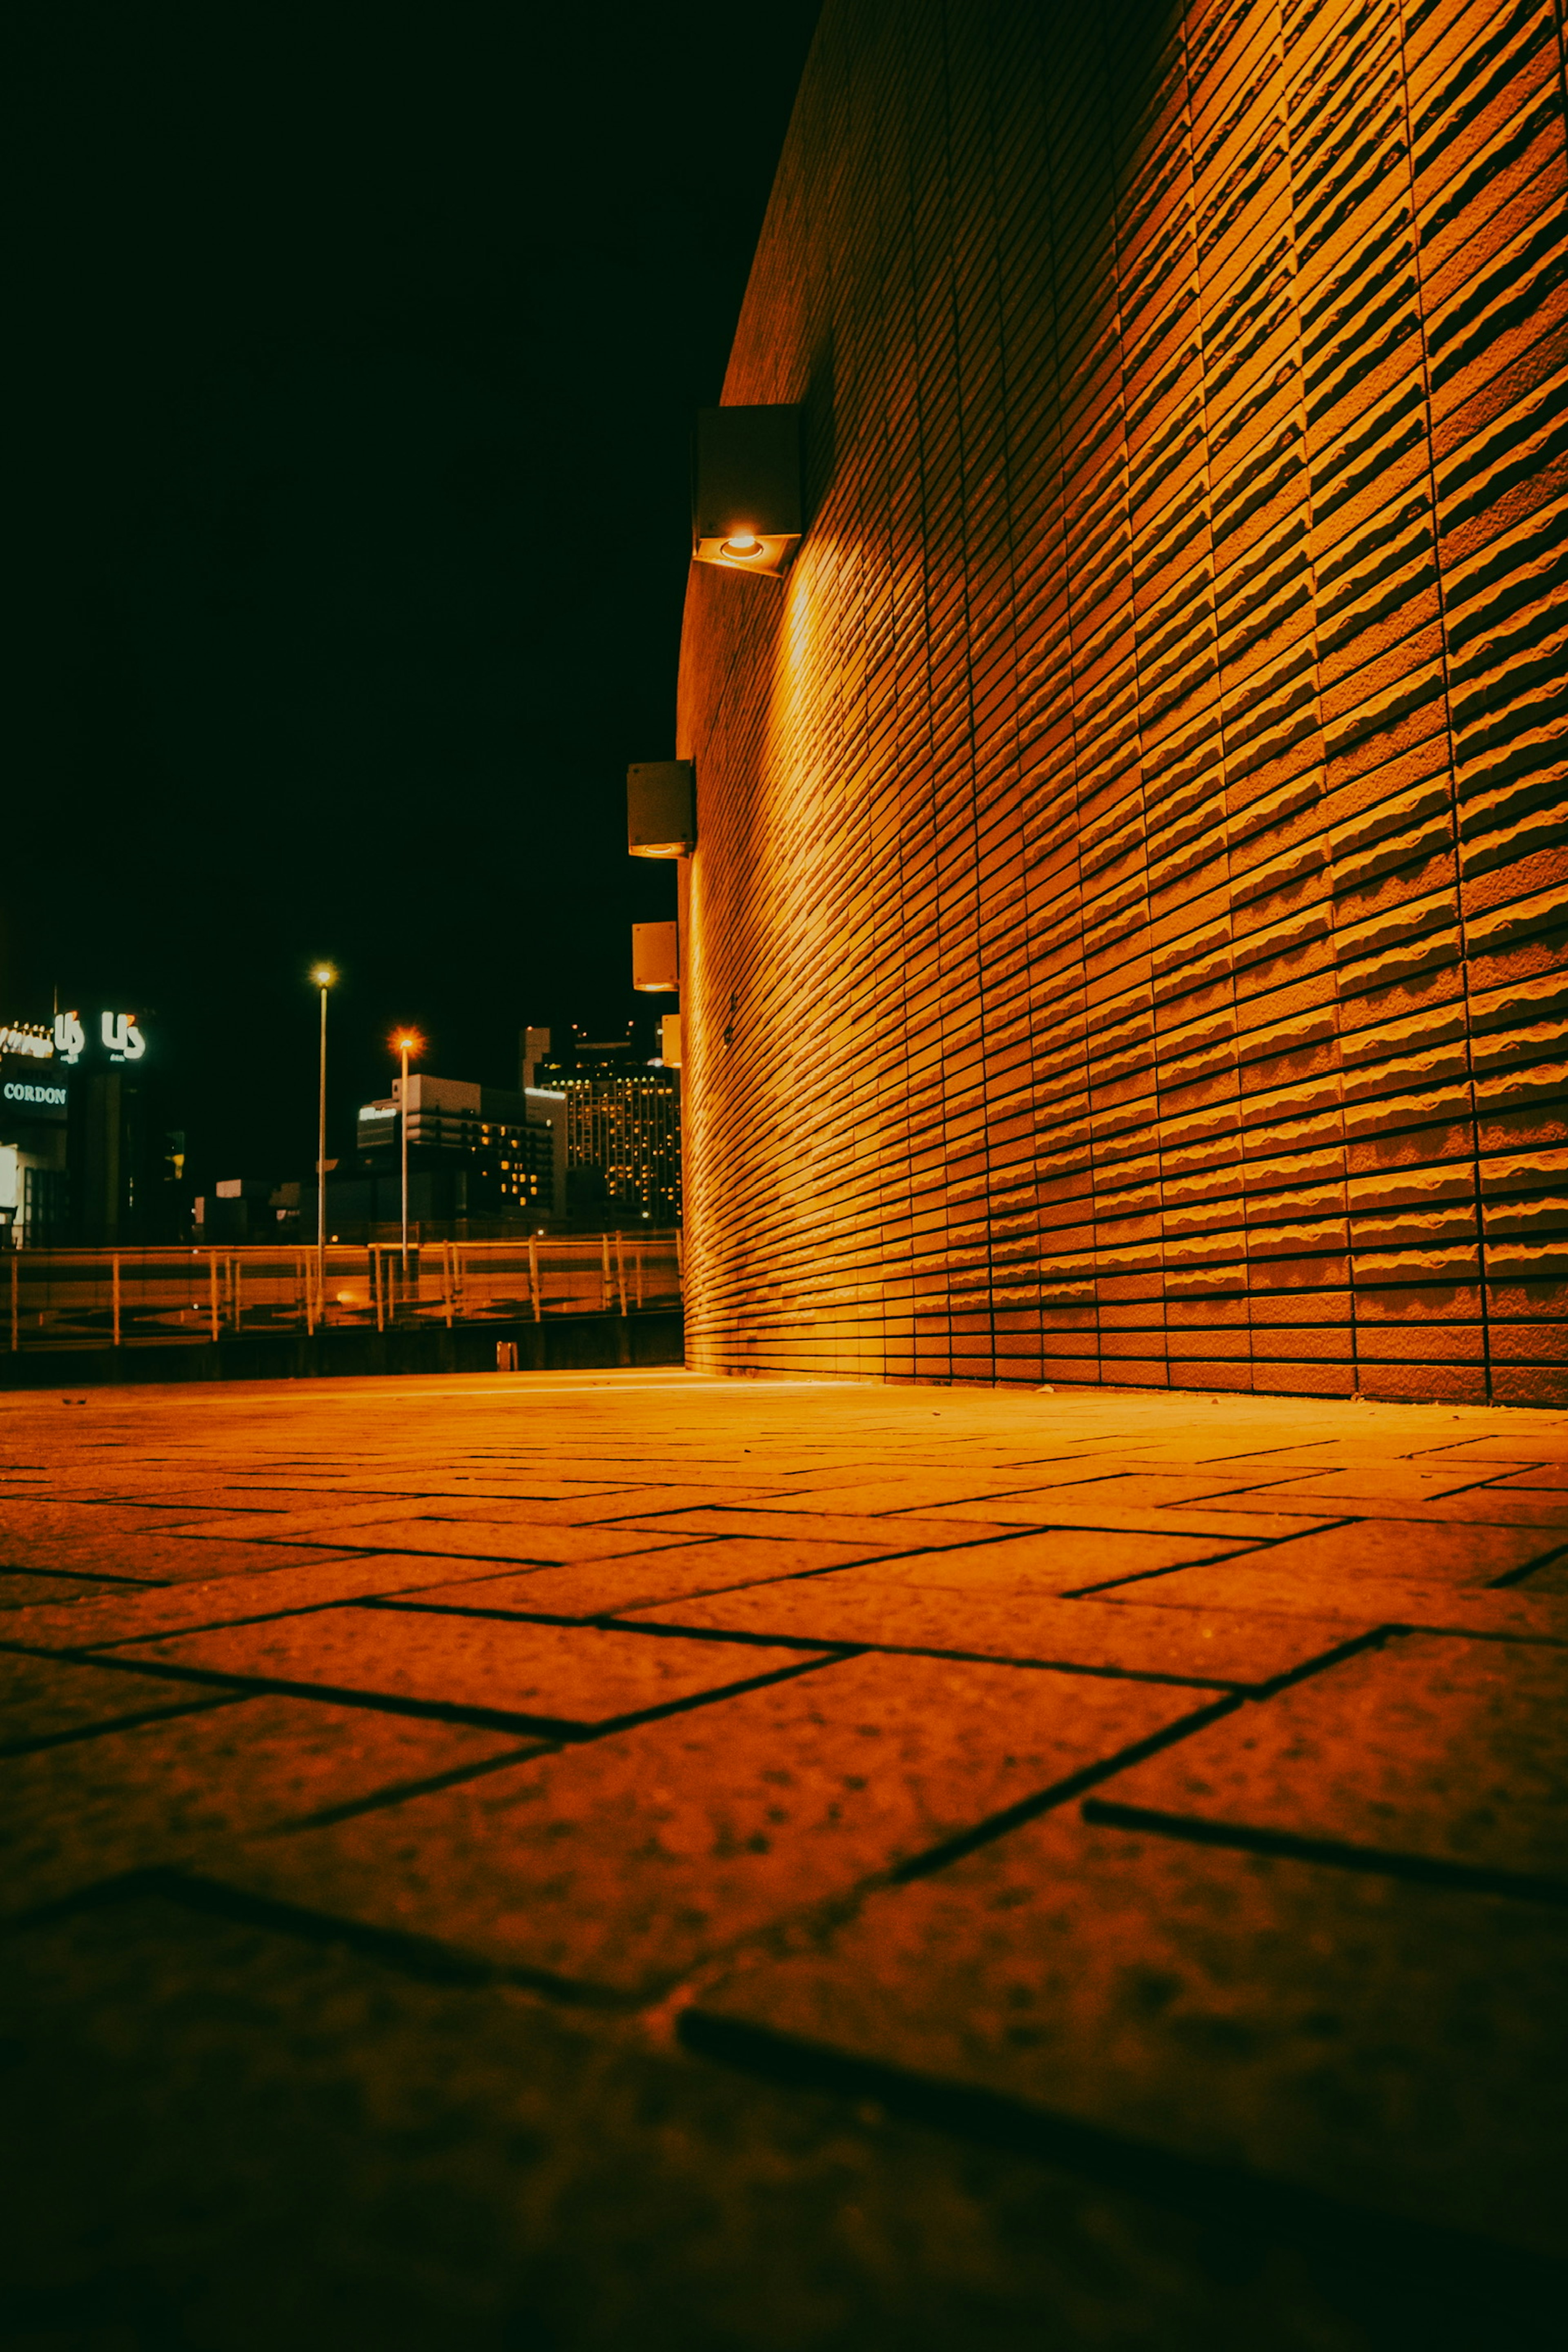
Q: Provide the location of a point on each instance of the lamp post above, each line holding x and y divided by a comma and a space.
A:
405, 1042
323, 976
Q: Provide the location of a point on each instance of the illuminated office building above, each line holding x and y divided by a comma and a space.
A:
1135, 822
478, 1150
623, 1129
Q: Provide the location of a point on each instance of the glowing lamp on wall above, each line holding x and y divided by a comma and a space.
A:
745, 491
670, 1040
661, 808
656, 959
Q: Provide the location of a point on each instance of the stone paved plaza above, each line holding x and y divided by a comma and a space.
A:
535, 1862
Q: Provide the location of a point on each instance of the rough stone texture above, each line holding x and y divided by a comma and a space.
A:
622, 1864
1229, 1648
1395, 2046
1454, 1749
603, 1587
45, 1699
1533, 1611
468, 2167
1080, 2086
83, 1813
581, 1675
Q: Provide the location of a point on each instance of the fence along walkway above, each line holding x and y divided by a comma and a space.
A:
139, 1297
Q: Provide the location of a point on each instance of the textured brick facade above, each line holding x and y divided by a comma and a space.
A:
1124, 939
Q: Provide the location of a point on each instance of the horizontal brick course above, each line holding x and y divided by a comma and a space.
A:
1131, 836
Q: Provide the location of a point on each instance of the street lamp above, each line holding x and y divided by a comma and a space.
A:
405, 1042
322, 976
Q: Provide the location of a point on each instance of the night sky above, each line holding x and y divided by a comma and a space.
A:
357, 352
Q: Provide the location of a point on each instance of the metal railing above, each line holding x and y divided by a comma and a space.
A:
138, 1297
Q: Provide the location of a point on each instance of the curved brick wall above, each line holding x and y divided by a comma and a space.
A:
1125, 938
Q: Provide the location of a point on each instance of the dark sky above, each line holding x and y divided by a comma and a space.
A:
357, 349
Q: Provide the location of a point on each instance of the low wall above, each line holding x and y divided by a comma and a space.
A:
560, 1343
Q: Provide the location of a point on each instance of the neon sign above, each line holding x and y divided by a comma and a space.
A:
69, 1037
122, 1040
27, 1041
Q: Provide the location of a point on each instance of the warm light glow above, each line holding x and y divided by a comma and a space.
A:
323, 976
408, 1041
1144, 980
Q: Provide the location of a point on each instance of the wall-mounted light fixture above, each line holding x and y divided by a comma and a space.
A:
661, 808
670, 1040
656, 959
745, 499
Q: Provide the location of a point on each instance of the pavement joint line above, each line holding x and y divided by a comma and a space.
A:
1373, 1639
1346, 1649
605, 1622
1522, 1575
89, 1576
1147, 1575
1509, 2278
569, 1730
1430, 1869
82, 1731
395, 1793
424, 1957
1061, 1792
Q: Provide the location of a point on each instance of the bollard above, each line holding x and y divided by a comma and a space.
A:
506, 1355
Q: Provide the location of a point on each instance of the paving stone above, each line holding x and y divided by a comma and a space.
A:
546, 1674
914, 1489
1061, 1507
29, 1528
1059, 1562
1144, 1489
622, 1863
1466, 1555
1477, 1507
527, 1540
1380, 1483
1519, 1613
19, 1588
89, 1810
873, 1537
116, 1617
1432, 1746
465, 2166
51, 1698
1395, 2045
154, 1559
594, 1589
1230, 1648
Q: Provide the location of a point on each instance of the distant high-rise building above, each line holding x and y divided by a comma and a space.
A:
506, 1153
623, 1127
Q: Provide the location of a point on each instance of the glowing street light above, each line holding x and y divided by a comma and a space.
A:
405, 1042
323, 977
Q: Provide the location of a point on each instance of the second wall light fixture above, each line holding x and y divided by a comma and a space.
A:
661, 808
745, 488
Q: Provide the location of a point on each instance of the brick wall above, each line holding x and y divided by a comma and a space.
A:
1125, 938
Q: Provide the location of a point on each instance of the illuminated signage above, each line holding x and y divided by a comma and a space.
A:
37, 1042
47, 1097
121, 1039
